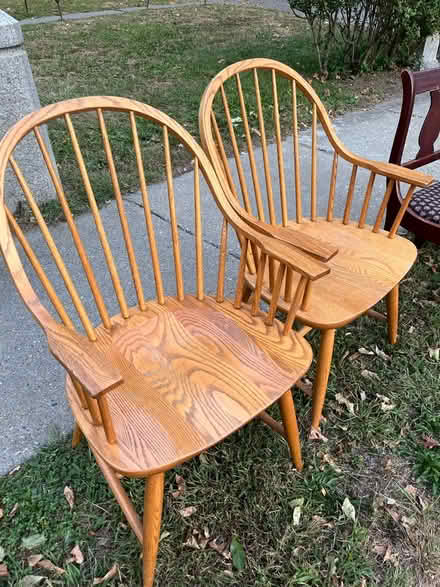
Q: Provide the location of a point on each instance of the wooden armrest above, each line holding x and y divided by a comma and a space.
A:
396, 172
82, 359
308, 244
320, 249
293, 258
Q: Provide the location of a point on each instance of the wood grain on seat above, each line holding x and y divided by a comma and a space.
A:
368, 265
194, 372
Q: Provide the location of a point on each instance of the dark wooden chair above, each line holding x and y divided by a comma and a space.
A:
423, 214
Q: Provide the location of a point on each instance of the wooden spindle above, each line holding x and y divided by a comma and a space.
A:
122, 215
255, 180
275, 295
272, 267
222, 263
93, 408
236, 151
97, 218
173, 218
295, 305
85, 321
106, 419
96, 292
241, 271
259, 283
39, 270
401, 212
198, 231
350, 194
288, 285
276, 113
314, 166
224, 158
331, 196
379, 217
80, 393
147, 212
307, 295
267, 174
298, 195
367, 198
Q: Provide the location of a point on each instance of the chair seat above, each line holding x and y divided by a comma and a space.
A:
426, 203
194, 372
367, 266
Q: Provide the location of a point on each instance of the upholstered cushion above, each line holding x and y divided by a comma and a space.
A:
426, 203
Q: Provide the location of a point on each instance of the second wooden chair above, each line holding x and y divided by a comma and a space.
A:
322, 205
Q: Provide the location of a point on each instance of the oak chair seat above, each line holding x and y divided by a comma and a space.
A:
367, 264
193, 373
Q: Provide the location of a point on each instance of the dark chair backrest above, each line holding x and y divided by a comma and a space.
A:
415, 83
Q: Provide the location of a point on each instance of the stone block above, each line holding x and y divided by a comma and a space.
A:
18, 97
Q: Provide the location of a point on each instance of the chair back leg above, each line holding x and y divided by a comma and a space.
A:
322, 374
393, 314
153, 501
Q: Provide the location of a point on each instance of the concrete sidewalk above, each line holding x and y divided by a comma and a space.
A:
33, 407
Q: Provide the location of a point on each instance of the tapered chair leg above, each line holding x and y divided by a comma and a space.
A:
393, 313
322, 374
153, 500
76, 436
288, 414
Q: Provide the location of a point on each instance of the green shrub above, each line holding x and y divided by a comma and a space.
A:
362, 35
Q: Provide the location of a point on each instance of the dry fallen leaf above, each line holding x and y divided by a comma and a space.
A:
34, 559
348, 509
434, 353
31, 580
33, 541
188, 511
328, 459
364, 351
70, 496
343, 400
77, 556
381, 354
393, 514
111, 573
411, 490
220, 547
4, 571
47, 564
370, 374
14, 470
363, 396
429, 442
315, 434
411, 329
180, 481
319, 521
1, 513
13, 511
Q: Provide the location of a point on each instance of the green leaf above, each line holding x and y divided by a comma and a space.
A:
33, 541
238, 554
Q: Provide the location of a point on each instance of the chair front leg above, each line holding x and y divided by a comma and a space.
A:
153, 501
393, 313
76, 436
288, 414
322, 374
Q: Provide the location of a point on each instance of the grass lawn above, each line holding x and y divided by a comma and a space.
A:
382, 451
17, 8
166, 58
378, 456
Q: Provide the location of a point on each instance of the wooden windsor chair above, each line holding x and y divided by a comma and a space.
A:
247, 106
165, 377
